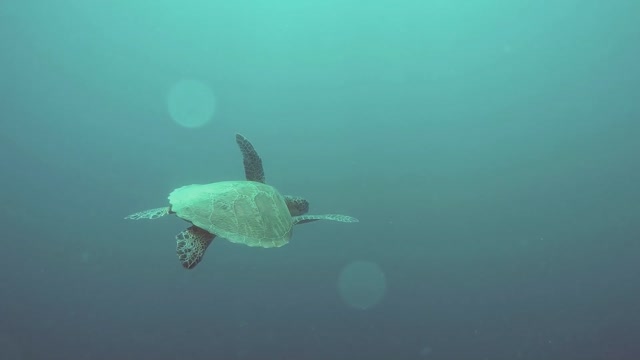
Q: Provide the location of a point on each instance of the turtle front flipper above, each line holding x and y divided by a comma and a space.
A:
333, 217
149, 214
191, 245
252, 162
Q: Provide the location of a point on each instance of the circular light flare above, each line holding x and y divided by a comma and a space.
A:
191, 103
362, 284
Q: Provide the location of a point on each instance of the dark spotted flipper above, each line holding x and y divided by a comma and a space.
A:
191, 245
252, 163
254, 171
297, 205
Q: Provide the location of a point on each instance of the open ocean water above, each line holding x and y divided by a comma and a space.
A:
490, 150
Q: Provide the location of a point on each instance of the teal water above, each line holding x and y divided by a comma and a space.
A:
489, 149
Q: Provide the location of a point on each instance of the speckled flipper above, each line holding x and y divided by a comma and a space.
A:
149, 214
252, 162
254, 171
333, 217
191, 245
297, 205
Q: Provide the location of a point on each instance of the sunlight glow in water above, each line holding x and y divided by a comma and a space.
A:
362, 284
191, 103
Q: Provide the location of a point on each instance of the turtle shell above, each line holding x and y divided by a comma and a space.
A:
245, 212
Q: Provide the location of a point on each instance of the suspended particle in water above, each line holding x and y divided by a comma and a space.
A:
85, 257
425, 351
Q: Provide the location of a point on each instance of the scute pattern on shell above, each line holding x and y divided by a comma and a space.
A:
245, 212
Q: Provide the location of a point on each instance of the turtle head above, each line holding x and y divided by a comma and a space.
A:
297, 205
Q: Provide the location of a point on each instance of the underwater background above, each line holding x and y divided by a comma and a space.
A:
489, 149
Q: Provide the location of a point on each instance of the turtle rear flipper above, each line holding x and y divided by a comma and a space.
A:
191, 245
252, 162
297, 205
149, 214
333, 217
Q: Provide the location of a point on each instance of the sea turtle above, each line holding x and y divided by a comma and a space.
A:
248, 211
